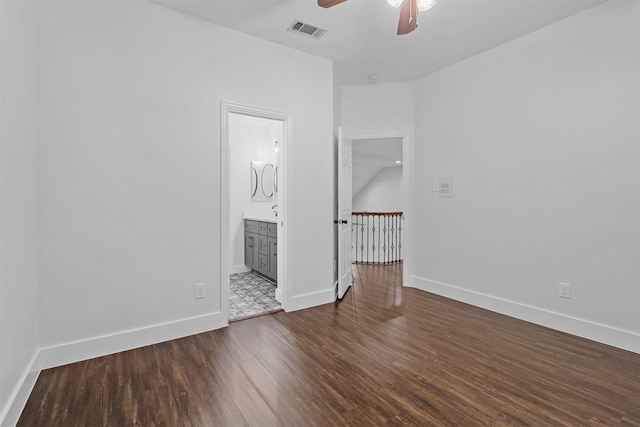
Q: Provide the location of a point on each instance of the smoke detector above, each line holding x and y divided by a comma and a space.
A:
306, 29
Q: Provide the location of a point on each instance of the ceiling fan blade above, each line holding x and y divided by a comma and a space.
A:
329, 3
408, 17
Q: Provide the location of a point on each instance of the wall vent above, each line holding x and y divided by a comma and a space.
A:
306, 29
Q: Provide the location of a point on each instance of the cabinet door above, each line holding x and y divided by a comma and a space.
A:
251, 250
273, 258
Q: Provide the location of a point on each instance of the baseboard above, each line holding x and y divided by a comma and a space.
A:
626, 340
240, 269
18, 399
76, 351
313, 299
62, 354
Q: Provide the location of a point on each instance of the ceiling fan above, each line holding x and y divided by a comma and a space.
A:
409, 10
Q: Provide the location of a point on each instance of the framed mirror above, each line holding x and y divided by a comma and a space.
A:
262, 181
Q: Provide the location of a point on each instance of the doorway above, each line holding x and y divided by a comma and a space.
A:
253, 211
382, 207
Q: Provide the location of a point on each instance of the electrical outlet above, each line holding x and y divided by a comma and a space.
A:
434, 187
199, 291
564, 290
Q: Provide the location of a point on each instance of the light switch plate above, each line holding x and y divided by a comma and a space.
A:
446, 187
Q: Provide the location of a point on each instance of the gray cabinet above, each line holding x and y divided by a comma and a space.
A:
251, 244
261, 247
272, 241
273, 260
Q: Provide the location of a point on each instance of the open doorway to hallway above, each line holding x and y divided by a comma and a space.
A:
377, 218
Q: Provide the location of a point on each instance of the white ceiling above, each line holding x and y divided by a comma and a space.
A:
362, 38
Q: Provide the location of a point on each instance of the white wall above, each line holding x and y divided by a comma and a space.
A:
541, 135
130, 170
251, 138
18, 205
378, 109
382, 193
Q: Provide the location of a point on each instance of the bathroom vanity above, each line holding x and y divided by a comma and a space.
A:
261, 246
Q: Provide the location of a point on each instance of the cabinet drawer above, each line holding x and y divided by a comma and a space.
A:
263, 264
251, 226
263, 245
272, 230
262, 228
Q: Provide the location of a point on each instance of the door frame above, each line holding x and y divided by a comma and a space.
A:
226, 244
408, 183
344, 144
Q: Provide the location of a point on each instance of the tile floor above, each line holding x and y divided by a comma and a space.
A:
251, 294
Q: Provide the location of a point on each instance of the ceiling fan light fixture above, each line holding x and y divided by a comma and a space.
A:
395, 3
425, 4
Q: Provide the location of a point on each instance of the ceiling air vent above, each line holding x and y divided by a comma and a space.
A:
306, 29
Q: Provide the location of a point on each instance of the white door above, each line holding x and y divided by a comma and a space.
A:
344, 214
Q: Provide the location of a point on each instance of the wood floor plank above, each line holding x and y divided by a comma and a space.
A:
384, 355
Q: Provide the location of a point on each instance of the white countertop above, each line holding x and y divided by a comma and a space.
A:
263, 218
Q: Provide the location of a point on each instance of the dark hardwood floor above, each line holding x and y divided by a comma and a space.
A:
383, 356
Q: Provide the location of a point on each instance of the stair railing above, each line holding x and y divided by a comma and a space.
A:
376, 237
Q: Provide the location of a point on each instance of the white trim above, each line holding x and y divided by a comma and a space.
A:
240, 269
89, 348
18, 398
300, 302
9, 403
624, 339
227, 108
407, 198
225, 236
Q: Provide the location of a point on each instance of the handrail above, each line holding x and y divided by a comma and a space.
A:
378, 213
